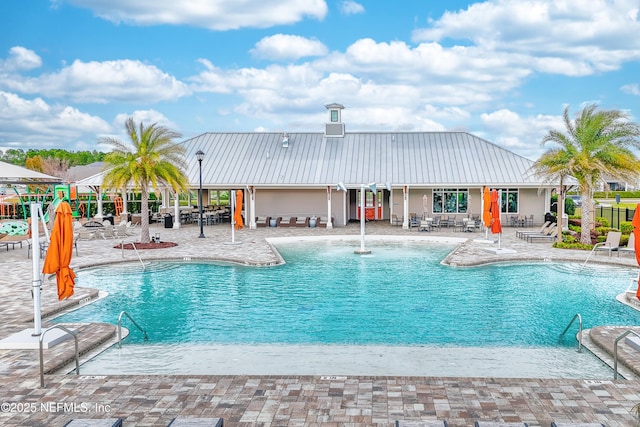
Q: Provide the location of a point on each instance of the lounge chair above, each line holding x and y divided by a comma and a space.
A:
499, 424
551, 234
301, 221
322, 221
611, 244
429, 423
630, 245
522, 233
262, 221
90, 422
196, 422
108, 232
554, 424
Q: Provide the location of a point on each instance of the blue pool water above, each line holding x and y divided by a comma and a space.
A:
325, 294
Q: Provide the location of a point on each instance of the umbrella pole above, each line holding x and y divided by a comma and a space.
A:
35, 256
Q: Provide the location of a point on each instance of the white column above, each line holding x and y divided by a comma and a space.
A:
176, 210
405, 199
252, 208
329, 222
391, 206
99, 211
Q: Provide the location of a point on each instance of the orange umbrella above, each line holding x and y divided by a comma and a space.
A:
486, 207
237, 215
60, 250
636, 236
496, 227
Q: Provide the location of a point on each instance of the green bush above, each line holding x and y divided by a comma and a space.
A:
572, 245
624, 239
626, 227
604, 222
612, 194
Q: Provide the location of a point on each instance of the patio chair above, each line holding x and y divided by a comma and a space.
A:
427, 423
611, 244
196, 422
630, 245
262, 221
425, 225
554, 424
301, 221
90, 422
395, 220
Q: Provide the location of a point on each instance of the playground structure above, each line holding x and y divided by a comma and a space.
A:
16, 206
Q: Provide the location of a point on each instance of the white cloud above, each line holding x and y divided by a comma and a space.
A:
20, 59
25, 123
217, 15
631, 89
570, 37
148, 117
350, 7
284, 46
521, 134
102, 82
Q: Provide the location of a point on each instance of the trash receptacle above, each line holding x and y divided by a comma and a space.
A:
549, 217
168, 221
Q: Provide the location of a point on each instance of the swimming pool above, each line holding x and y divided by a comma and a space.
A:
400, 296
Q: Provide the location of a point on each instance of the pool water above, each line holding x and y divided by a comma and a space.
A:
399, 298
399, 295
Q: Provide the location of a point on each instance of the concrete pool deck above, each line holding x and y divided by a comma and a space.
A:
153, 400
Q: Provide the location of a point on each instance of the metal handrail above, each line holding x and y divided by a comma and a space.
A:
124, 313
75, 338
577, 316
135, 250
615, 351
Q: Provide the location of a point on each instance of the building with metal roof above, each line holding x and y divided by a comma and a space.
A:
295, 174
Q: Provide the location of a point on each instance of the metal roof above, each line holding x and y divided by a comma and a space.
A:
428, 159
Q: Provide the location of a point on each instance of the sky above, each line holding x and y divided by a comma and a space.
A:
72, 71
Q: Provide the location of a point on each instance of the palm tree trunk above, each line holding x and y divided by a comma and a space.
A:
144, 212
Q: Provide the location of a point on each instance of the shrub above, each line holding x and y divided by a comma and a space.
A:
603, 221
572, 245
626, 227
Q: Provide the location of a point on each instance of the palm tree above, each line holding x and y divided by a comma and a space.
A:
150, 158
596, 144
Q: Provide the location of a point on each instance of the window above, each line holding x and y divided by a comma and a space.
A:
219, 198
334, 116
509, 201
450, 200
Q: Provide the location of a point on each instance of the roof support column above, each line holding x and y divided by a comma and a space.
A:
329, 222
252, 207
176, 210
405, 205
99, 212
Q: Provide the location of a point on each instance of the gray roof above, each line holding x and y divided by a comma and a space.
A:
427, 159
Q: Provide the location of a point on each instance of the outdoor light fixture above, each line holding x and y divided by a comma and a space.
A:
200, 156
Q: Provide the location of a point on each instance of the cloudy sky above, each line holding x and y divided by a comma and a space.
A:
73, 70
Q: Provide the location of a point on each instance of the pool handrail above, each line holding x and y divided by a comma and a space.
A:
75, 338
615, 350
124, 313
135, 250
576, 316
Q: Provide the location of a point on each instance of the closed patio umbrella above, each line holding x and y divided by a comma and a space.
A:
496, 226
636, 236
60, 250
486, 207
237, 215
